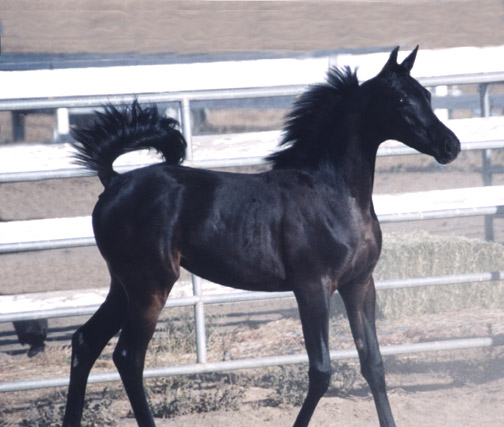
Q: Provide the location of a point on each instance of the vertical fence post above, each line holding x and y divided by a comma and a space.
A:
18, 126
484, 92
442, 113
199, 320
199, 307
62, 123
186, 125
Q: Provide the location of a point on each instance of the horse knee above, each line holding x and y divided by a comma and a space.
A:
120, 358
320, 379
126, 360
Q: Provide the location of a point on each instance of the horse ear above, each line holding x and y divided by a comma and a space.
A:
391, 62
410, 60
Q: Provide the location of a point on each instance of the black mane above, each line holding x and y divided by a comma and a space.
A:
311, 132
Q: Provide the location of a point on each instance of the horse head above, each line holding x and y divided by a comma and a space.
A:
405, 113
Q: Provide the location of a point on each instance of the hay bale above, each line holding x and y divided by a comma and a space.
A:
423, 255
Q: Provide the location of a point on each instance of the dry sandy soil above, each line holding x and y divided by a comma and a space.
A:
464, 388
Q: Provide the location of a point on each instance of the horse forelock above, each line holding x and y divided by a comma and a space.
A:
312, 127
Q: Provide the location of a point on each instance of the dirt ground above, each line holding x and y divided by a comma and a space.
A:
433, 402
464, 388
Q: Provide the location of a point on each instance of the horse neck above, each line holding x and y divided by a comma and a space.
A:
355, 167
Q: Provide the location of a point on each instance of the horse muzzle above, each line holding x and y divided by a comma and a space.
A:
449, 149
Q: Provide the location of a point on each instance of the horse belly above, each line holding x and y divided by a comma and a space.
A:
231, 265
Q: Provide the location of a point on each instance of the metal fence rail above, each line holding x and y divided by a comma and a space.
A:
203, 367
200, 368
84, 241
246, 296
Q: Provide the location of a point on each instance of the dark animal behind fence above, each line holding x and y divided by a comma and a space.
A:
307, 226
33, 333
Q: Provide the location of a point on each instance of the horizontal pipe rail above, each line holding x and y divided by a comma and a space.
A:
246, 296
440, 214
41, 245
17, 247
200, 368
470, 101
462, 79
149, 98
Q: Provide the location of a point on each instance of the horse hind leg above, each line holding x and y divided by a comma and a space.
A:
144, 306
360, 301
87, 344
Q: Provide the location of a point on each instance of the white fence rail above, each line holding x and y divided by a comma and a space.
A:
66, 89
19, 235
60, 233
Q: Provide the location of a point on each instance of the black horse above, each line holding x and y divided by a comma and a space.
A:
307, 226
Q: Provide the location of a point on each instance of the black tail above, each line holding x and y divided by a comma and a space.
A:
118, 132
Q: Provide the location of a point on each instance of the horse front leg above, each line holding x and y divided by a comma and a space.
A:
360, 302
313, 306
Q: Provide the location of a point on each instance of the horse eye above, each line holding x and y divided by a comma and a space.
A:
402, 100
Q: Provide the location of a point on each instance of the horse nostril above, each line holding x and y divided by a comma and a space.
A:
451, 148
448, 146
